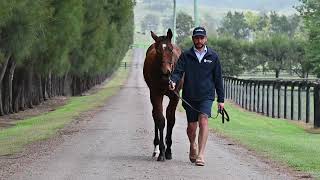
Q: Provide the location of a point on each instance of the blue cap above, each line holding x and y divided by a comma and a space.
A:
199, 31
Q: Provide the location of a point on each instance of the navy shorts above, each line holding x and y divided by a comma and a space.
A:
203, 106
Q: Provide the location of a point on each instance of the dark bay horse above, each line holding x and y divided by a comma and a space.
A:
160, 61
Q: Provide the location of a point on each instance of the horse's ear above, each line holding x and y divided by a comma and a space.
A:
169, 34
154, 36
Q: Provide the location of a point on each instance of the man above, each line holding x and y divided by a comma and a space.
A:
201, 68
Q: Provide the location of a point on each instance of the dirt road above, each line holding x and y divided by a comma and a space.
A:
117, 144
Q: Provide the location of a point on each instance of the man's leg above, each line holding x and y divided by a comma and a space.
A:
203, 135
191, 131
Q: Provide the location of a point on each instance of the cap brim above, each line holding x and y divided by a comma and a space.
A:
198, 34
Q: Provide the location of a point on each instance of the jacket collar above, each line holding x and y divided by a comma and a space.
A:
193, 54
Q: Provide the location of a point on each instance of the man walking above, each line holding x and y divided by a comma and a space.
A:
202, 72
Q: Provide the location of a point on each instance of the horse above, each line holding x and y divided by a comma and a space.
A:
160, 61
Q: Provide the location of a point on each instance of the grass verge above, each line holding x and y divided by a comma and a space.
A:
14, 139
280, 140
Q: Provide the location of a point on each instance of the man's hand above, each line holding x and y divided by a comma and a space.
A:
220, 106
172, 85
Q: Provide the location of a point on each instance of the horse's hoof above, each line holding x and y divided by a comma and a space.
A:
168, 156
161, 158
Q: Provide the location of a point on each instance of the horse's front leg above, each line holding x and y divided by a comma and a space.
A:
171, 119
156, 141
159, 120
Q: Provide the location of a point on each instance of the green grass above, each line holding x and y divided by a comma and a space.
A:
14, 139
278, 139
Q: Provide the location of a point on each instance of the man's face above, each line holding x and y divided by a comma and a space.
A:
199, 41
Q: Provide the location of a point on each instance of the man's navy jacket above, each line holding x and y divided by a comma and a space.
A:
201, 79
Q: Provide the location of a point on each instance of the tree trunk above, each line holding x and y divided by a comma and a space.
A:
28, 90
66, 85
44, 88
40, 89
3, 68
76, 86
7, 87
277, 73
1, 105
49, 85
36, 89
22, 100
16, 90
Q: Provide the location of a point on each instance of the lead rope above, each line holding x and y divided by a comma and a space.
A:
223, 112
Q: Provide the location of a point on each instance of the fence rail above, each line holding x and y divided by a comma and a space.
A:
295, 100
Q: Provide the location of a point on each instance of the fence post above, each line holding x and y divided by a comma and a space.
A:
236, 91
299, 100
254, 96
316, 105
232, 89
272, 106
250, 95
262, 108
279, 99
226, 88
292, 100
285, 101
243, 88
268, 86
239, 91
258, 101
246, 99
308, 103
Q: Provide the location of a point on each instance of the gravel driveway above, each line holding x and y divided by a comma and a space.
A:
116, 143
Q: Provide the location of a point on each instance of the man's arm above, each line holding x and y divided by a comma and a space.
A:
218, 81
178, 72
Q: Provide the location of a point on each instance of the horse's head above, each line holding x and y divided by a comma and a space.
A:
164, 50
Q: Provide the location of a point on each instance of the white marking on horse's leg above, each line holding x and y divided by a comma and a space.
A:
156, 151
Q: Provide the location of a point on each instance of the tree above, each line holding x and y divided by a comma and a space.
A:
310, 11
184, 26
18, 39
301, 65
252, 20
263, 22
276, 49
234, 25
150, 23
231, 54
48, 46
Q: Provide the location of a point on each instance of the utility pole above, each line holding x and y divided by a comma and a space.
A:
174, 21
196, 14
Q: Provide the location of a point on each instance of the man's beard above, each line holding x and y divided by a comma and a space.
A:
199, 46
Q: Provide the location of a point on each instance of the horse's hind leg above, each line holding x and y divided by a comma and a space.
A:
159, 121
156, 141
171, 119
